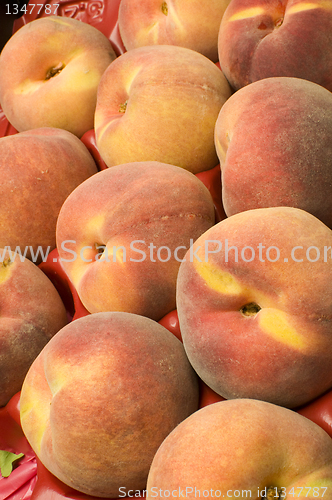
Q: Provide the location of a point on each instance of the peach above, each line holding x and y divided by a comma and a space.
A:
260, 39
49, 74
31, 313
160, 103
273, 139
194, 25
122, 234
102, 396
39, 169
254, 303
243, 448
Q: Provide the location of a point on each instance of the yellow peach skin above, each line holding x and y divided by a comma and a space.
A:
122, 234
243, 449
102, 396
255, 306
160, 103
49, 73
260, 39
31, 313
194, 25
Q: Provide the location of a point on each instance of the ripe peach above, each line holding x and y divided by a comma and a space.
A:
194, 25
243, 448
102, 396
255, 306
31, 313
160, 103
39, 168
260, 39
49, 73
122, 234
274, 142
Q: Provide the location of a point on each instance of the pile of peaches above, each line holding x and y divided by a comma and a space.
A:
166, 246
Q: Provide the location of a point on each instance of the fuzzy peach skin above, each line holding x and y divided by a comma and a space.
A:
244, 448
49, 73
102, 396
111, 230
274, 142
194, 25
255, 306
39, 169
160, 103
31, 313
263, 38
